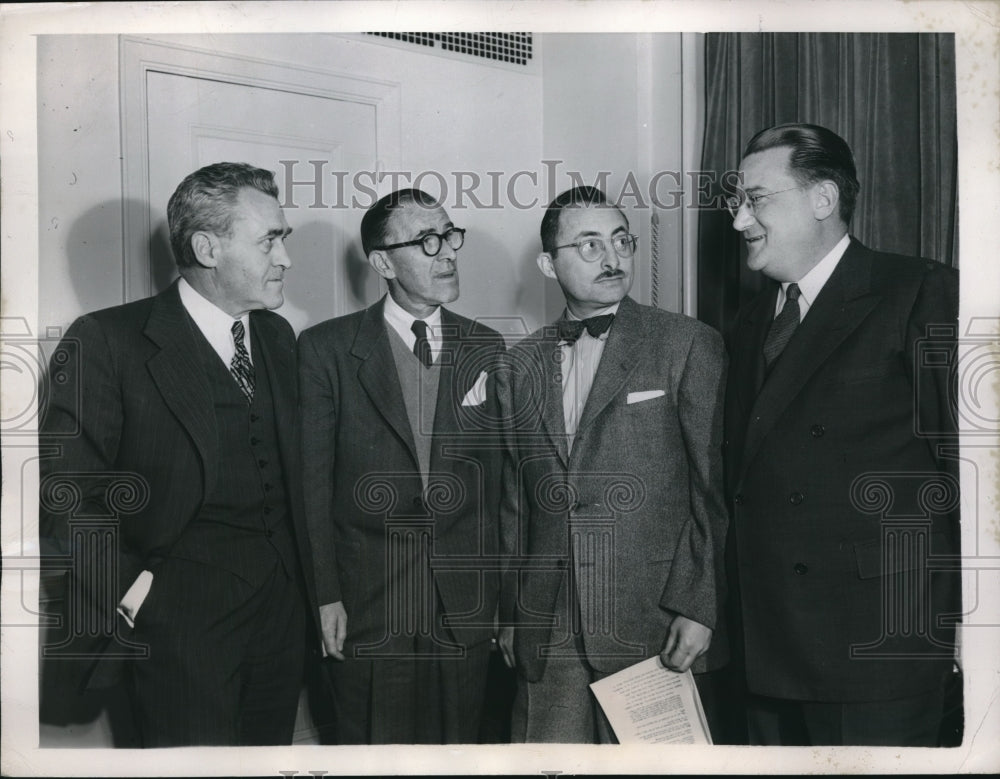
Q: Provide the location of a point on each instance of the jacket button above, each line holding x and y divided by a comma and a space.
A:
254, 441
795, 498
262, 463
269, 533
254, 417
557, 378
817, 431
738, 500
801, 569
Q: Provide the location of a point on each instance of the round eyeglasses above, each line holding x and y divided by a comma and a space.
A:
736, 202
432, 242
593, 249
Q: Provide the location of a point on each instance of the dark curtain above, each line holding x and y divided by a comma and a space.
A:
891, 96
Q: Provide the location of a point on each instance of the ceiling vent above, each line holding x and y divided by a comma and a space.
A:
510, 48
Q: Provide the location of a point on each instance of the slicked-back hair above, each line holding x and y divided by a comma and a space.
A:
817, 154
206, 200
577, 197
375, 222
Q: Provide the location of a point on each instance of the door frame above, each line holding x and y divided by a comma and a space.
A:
139, 56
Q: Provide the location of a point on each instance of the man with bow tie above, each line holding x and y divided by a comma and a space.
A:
848, 608
177, 415
612, 514
402, 488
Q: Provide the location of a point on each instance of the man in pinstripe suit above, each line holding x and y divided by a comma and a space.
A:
190, 396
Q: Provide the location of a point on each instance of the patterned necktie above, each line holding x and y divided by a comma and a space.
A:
422, 347
241, 367
783, 326
571, 329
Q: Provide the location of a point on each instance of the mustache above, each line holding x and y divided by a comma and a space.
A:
610, 274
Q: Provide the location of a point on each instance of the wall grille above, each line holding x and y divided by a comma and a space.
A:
514, 48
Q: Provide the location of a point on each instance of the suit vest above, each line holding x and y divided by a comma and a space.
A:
243, 524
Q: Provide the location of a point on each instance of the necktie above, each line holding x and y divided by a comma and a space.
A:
571, 329
783, 326
422, 347
241, 367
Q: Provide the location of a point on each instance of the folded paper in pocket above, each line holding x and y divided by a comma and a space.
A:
477, 395
638, 397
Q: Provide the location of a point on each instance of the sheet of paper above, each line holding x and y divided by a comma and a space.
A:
647, 703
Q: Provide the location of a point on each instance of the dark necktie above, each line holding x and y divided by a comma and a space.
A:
571, 329
422, 347
241, 367
783, 326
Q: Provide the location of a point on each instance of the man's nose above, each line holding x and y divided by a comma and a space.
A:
744, 218
279, 255
610, 260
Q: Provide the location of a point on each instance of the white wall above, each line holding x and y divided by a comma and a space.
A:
456, 116
598, 102
612, 103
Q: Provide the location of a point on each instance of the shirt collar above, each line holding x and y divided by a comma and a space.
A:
401, 319
612, 309
813, 282
214, 323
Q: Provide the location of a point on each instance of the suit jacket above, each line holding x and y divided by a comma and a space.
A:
835, 451
377, 535
130, 404
635, 512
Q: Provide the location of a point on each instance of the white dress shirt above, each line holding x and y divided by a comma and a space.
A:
814, 281
580, 361
214, 323
401, 321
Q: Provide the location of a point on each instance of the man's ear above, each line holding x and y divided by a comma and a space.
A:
207, 249
545, 265
827, 199
379, 261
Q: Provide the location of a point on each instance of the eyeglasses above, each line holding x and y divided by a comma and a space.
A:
734, 204
432, 242
592, 249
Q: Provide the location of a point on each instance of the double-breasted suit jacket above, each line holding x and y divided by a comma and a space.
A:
631, 519
130, 429
377, 532
842, 500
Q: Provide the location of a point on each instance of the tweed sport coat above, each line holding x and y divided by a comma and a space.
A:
845, 506
634, 515
377, 534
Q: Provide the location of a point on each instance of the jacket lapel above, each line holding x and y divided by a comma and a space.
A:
378, 376
842, 305
180, 377
620, 358
553, 418
281, 374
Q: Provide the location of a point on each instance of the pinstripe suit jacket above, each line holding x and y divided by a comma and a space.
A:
130, 404
635, 510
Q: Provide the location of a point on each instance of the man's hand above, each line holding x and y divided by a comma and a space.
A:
687, 640
333, 623
505, 638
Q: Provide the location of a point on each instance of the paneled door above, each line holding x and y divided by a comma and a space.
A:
199, 107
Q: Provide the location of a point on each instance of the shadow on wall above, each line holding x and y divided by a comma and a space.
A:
311, 280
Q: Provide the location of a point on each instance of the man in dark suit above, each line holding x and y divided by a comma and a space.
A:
612, 514
844, 503
402, 488
188, 401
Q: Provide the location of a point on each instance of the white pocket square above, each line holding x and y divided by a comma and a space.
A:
638, 397
477, 395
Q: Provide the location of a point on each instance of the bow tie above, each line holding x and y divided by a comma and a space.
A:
571, 329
